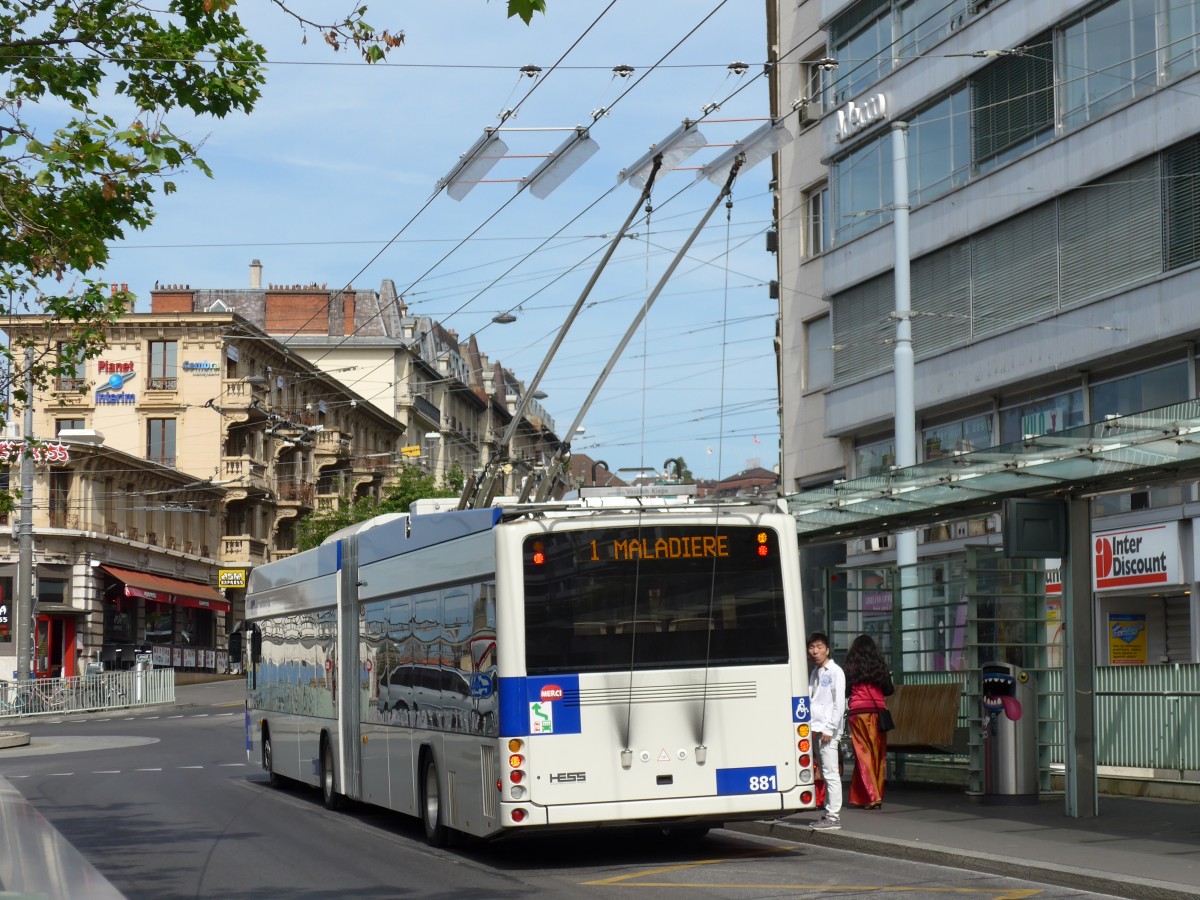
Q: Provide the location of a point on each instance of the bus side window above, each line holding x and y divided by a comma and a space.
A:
255, 645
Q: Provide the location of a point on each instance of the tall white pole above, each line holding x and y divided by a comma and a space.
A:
24, 629
906, 404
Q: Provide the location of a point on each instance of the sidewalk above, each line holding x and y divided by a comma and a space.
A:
1135, 848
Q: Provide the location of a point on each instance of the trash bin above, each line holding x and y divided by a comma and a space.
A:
142, 664
1010, 738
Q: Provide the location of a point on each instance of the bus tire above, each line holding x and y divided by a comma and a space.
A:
268, 760
329, 792
436, 832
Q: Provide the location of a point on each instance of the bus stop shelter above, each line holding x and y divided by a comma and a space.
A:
1119, 454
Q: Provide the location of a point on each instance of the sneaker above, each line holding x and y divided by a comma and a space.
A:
825, 823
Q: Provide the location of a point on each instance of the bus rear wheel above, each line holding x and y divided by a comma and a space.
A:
436, 832
268, 761
329, 793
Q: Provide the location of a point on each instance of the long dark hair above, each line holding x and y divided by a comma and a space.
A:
864, 662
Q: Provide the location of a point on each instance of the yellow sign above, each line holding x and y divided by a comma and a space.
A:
231, 578
1127, 639
412, 451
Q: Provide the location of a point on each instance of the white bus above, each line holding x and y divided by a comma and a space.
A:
572, 664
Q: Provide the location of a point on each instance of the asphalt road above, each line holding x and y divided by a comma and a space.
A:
165, 805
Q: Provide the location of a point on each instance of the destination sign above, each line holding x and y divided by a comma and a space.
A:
698, 546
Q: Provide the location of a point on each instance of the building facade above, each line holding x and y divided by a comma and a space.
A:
103, 585
455, 404
1053, 165
209, 398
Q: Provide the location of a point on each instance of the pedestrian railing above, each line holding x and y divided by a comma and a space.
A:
86, 693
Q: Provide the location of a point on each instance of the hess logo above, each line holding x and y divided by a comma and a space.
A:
551, 692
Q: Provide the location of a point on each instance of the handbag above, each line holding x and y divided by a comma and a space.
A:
886, 722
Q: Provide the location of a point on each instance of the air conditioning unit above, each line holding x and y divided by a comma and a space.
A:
877, 544
810, 113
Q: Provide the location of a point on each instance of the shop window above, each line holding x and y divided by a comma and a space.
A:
1047, 416
1141, 391
160, 623
7, 613
874, 459
964, 436
120, 614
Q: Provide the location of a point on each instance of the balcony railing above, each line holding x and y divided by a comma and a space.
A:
74, 385
249, 472
168, 461
163, 383
62, 519
242, 549
301, 492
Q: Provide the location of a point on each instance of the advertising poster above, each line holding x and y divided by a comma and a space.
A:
1054, 631
1127, 639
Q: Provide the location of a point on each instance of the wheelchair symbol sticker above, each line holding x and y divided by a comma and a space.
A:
800, 711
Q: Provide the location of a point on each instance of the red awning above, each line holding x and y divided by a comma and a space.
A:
161, 589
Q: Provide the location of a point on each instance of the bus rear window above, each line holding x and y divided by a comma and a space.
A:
653, 597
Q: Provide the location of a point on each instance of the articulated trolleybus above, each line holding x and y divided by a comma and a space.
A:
574, 664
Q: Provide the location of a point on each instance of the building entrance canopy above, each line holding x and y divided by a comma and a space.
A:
1119, 453
161, 589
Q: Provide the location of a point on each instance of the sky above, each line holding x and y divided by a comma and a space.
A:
333, 180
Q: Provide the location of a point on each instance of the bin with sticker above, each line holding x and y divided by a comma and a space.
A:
1010, 735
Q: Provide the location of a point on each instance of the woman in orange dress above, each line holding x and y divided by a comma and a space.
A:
869, 682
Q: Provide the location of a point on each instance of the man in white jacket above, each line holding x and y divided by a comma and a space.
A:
827, 702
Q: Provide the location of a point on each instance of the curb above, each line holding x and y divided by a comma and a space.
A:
10, 739
1027, 870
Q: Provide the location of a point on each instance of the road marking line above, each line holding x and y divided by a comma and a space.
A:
153, 717
180, 716
231, 765
59, 774
189, 767
200, 716
148, 770
107, 772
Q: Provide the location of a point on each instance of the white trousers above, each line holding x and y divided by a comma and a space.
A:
828, 753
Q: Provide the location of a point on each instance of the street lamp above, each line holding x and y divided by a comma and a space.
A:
25, 570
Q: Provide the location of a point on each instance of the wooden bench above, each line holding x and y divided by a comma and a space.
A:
926, 717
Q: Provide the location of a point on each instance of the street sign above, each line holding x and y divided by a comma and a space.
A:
411, 452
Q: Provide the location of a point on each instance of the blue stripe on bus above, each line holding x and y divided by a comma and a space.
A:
539, 706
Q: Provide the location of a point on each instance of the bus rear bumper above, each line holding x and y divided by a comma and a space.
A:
634, 812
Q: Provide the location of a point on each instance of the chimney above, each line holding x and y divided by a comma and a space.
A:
255, 274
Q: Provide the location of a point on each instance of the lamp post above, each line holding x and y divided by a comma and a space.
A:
24, 611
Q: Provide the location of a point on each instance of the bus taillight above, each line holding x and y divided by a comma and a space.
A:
802, 730
539, 554
516, 775
804, 745
518, 815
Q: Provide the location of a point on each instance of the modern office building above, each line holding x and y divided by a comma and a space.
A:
1053, 167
